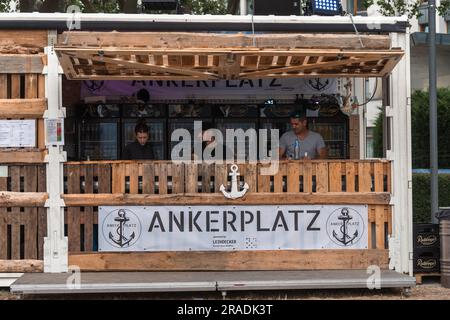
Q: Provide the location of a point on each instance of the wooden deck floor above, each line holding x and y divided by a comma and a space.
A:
115, 282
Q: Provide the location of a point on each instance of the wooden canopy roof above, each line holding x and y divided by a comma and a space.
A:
210, 56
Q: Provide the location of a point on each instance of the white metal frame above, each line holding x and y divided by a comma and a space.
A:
55, 244
400, 243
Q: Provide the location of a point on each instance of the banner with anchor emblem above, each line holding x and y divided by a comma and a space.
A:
210, 89
184, 228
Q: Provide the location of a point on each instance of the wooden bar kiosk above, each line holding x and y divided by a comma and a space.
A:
55, 193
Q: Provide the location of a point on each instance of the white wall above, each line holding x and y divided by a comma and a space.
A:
419, 67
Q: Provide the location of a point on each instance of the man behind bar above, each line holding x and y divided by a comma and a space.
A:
140, 149
310, 144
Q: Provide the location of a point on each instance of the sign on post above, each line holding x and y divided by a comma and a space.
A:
17, 133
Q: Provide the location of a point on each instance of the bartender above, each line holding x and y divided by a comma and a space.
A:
300, 142
140, 149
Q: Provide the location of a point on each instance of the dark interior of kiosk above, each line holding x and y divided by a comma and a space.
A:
101, 130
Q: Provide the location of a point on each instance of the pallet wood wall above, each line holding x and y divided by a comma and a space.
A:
22, 229
22, 88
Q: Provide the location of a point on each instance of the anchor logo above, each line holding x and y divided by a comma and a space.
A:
317, 83
121, 228
123, 240
345, 226
234, 194
345, 238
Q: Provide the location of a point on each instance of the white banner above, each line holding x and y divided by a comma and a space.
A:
220, 228
211, 89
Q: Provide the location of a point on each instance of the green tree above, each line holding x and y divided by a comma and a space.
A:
404, 7
420, 129
125, 6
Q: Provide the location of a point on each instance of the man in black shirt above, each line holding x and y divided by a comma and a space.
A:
140, 149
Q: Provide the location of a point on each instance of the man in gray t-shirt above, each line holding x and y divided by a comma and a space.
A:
311, 144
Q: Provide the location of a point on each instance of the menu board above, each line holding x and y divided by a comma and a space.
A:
17, 133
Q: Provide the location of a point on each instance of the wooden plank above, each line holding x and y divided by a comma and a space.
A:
73, 213
88, 211
21, 266
379, 226
33, 39
161, 171
42, 230
263, 180
378, 177
191, 173
219, 199
293, 177
22, 156
387, 172
251, 176
15, 86
3, 86
103, 174
30, 214
30, 225
31, 86
364, 177
205, 171
278, 178
3, 223
22, 199
21, 63
14, 214
132, 171
148, 178
234, 260
42, 212
322, 177
335, 176
177, 178
350, 177
307, 177
22, 108
40, 134
220, 176
218, 40
118, 178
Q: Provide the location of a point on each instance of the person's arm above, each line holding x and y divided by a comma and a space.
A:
281, 154
323, 153
282, 148
321, 149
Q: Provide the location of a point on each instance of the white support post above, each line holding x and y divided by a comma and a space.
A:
400, 243
55, 244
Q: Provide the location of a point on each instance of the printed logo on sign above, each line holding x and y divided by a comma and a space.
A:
345, 226
318, 84
121, 228
93, 85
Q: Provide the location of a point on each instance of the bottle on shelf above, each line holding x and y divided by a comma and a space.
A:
297, 150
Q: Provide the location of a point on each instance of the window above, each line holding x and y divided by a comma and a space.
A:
356, 7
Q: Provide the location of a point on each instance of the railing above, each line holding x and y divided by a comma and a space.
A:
164, 178
91, 184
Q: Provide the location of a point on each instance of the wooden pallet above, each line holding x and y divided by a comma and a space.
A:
420, 276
